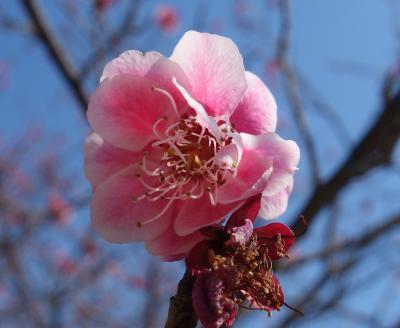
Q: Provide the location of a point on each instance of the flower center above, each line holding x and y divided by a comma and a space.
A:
189, 165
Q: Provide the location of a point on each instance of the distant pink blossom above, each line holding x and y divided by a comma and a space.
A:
64, 262
181, 142
167, 18
138, 282
59, 208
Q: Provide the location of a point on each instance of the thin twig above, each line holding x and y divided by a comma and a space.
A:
373, 150
181, 313
127, 27
56, 51
292, 90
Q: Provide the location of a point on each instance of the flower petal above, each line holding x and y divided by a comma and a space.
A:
277, 237
151, 65
202, 115
286, 156
275, 205
172, 258
197, 259
215, 69
242, 234
103, 159
256, 112
169, 243
248, 210
210, 304
197, 213
118, 218
254, 169
124, 109
267, 165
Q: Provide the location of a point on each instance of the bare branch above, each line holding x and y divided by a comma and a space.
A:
373, 150
56, 51
21, 285
181, 313
127, 27
292, 90
350, 245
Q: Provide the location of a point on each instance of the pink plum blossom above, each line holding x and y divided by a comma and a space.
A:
179, 143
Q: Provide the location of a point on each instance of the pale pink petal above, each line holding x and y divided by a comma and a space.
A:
202, 115
197, 213
151, 65
286, 156
123, 110
169, 243
256, 113
228, 156
215, 70
274, 206
133, 62
103, 159
118, 218
267, 165
254, 169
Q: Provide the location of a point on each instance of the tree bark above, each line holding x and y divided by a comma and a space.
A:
181, 313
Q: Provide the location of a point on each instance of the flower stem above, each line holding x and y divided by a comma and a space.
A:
181, 313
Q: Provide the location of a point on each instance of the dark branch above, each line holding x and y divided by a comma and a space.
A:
127, 27
374, 149
359, 242
55, 51
181, 313
292, 89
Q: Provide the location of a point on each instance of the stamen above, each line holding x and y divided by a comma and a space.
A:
186, 170
164, 118
212, 198
166, 93
199, 195
141, 223
143, 165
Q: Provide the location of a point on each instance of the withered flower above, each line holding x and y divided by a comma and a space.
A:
234, 267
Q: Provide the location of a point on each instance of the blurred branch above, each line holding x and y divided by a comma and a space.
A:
292, 89
56, 51
373, 150
11, 24
323, 107
309, 296
181, 313
21, 286
126, 27
364, 319
350, 245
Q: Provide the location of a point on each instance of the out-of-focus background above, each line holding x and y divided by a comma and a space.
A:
334, 67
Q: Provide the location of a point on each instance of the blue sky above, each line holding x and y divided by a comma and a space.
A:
343, 47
